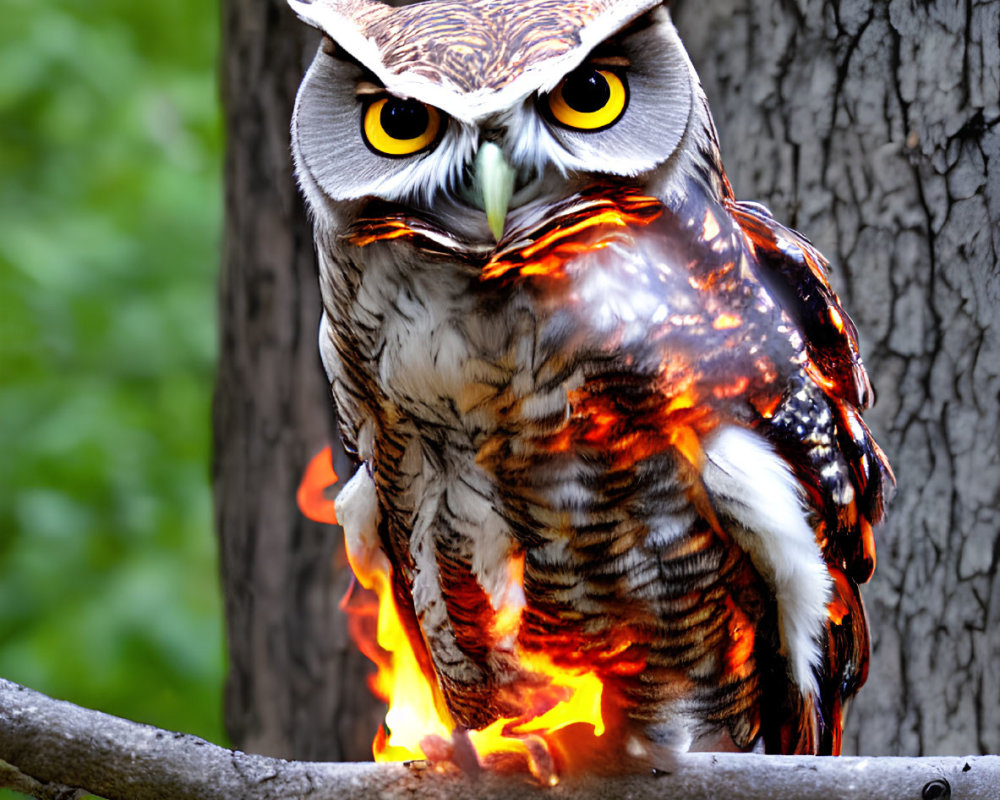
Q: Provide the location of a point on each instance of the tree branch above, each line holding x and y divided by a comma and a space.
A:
12, 778
55, 749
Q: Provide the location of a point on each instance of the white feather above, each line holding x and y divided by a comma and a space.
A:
470, 502
750, 483
327, 350
427, 600
357, 514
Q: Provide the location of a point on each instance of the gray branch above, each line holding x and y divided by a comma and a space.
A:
55, 749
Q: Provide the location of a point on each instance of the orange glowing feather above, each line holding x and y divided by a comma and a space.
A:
725, 322
742, 637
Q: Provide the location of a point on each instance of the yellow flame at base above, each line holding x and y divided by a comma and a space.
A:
417, 709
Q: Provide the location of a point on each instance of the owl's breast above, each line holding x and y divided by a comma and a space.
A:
615, 308
427, 339
557, 405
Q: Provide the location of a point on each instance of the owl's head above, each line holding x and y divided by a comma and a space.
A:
477, 115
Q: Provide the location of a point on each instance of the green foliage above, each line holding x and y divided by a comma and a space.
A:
110, 207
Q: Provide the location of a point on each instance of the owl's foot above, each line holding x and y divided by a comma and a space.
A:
528, 753
456, 751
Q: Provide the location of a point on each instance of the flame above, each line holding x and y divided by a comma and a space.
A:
837, 319
389, 229
741, 636
416, 710
592, 224
508, 615
318, 477
418, 720
734, 388
418, 715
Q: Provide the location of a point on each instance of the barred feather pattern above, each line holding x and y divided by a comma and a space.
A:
560, 400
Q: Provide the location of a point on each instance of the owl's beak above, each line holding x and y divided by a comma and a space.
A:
493, 182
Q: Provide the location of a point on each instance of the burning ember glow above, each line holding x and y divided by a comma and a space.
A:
589, 222
311, 497
559, 701
418, 724
573, 234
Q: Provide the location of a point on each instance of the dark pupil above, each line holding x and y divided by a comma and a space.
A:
586, 91
404, 119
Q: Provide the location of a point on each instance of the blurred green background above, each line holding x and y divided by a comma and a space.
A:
110, 213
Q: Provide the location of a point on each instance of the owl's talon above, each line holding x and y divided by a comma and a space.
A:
456, 751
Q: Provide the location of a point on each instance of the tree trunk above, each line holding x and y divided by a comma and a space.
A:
296, 684
874, 128
871, 126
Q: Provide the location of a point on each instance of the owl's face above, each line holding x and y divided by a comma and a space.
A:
476, 115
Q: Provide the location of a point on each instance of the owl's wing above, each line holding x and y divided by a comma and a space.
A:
818, 429
795, 274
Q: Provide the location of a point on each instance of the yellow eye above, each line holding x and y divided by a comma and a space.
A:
589, 99
393, 126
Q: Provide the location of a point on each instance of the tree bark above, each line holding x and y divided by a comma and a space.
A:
874, 128
296, 684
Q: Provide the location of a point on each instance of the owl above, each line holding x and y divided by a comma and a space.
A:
585, 386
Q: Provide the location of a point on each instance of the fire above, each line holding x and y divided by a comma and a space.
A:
416, 710
418, 724
725, 322
741, 634
311, 497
